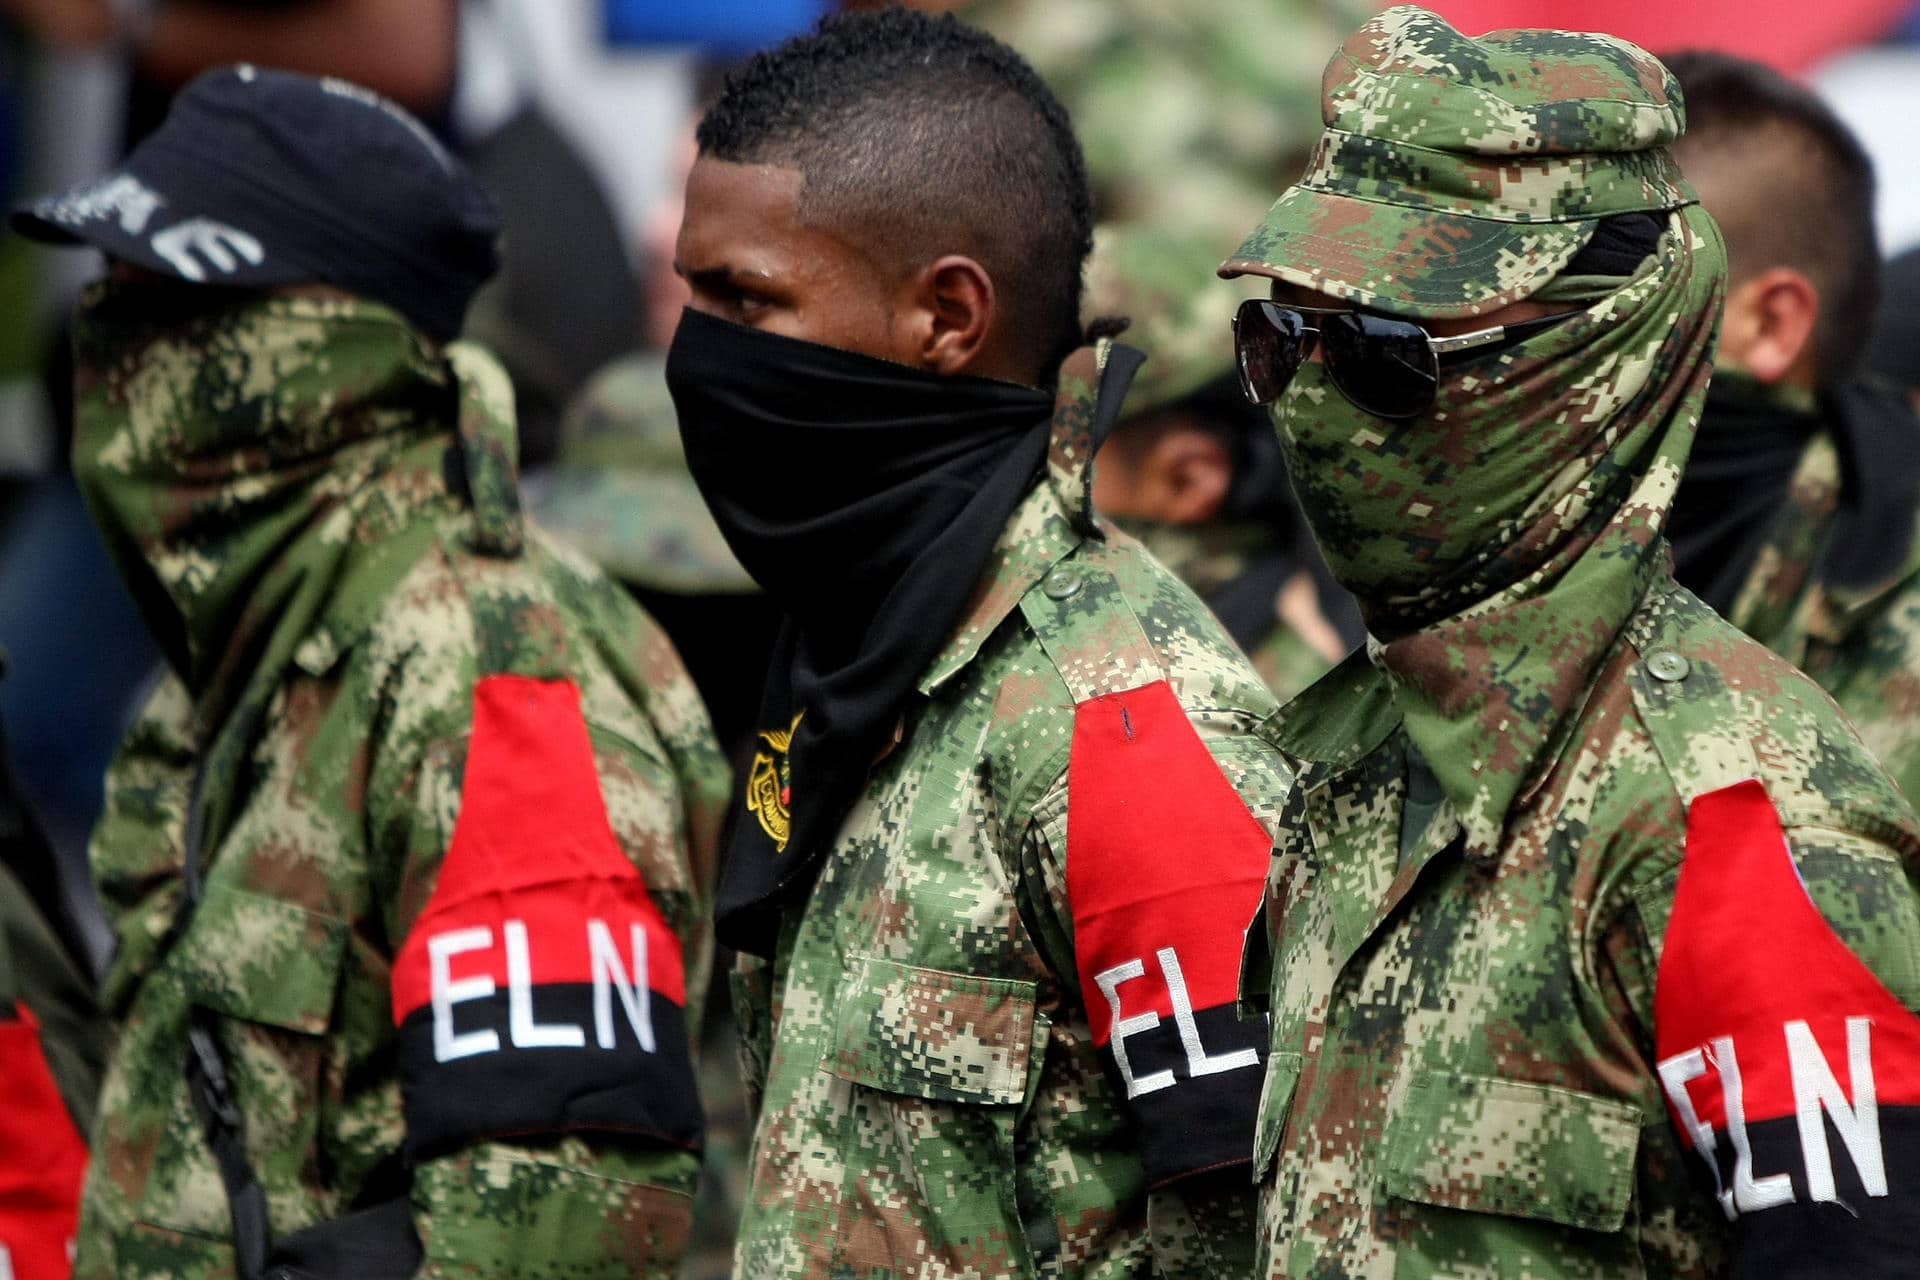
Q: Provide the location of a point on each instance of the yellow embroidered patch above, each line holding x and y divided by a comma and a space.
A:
770, 784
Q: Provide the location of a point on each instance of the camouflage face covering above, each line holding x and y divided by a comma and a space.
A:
216, 429
1522, 514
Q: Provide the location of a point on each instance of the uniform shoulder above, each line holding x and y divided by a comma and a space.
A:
457, 614
1720, 707
1110, 618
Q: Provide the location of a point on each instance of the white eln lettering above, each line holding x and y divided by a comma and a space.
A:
1675, 1073
526, 1033
1199, 1061
217, 242
441, 948
1816, 1091
1749, 1193
1109, 980
609, 977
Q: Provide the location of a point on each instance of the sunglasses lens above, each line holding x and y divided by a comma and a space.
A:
1384, 366
1269, 343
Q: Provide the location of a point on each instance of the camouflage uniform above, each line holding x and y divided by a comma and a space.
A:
1156, 282
350, 597
1498, 1046
1861, 643
934, 1096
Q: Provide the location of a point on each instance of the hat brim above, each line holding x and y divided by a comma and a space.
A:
645, 528
122, 215
1400, 259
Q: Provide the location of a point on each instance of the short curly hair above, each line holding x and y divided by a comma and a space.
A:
919, 135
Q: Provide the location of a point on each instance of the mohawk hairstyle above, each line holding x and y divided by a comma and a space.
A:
1797, 190
920, 136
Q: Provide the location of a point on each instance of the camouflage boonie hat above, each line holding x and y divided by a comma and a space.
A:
1164, 285
1458, 175
622, 493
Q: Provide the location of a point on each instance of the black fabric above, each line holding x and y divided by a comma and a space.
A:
1738, 477
1193, 1124
1878, 437
1618, 245
865, 497
260, 178
25, 852
377, 1243
1857, 1235
1893, 351
626, 1088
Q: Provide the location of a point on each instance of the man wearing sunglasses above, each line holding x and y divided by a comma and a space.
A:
1588, 945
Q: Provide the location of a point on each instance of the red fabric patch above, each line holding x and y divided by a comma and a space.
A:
533, 845
1747, 953
43, 1159
1161, 852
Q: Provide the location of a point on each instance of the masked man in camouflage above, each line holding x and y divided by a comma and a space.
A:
1006, 802
1591, 940
408, 853
1799, 516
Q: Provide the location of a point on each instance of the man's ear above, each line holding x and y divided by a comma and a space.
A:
1769, 326
952, 309
1188, 472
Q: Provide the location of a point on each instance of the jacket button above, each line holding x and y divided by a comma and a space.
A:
1665, 664
1062, 583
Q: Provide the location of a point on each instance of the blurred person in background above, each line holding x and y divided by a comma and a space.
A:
1194, 472
1796, 518
410, 853
1191, 114
53, 1044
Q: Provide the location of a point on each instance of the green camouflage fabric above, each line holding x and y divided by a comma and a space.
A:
274, 478
1208, 557
1456, 176
1862, 644
621, 491
928, 1084
1465, 917
1190, 114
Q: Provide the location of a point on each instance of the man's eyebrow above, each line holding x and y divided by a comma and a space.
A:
711, 277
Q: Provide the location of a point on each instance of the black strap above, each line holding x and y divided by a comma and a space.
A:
222, 1123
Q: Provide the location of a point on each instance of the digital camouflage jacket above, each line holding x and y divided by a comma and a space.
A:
997, 1037
454, 801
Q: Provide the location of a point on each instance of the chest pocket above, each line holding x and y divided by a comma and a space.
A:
1525, 1151
931, 1034
261, 959
941, 1067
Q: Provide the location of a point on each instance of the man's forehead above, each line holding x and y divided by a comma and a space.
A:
729, 202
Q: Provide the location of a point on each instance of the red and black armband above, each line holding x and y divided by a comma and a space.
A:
541, 991
1791, 1074
1165, 866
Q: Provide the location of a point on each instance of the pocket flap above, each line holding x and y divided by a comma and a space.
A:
1276, 1104
927, 1033
261, 959
1525, 1150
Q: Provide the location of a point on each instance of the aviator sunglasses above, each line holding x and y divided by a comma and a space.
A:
1390, 368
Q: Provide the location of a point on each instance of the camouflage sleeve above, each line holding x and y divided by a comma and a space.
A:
1773, 977
550, 921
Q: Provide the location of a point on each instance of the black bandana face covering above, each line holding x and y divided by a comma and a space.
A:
865, 497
